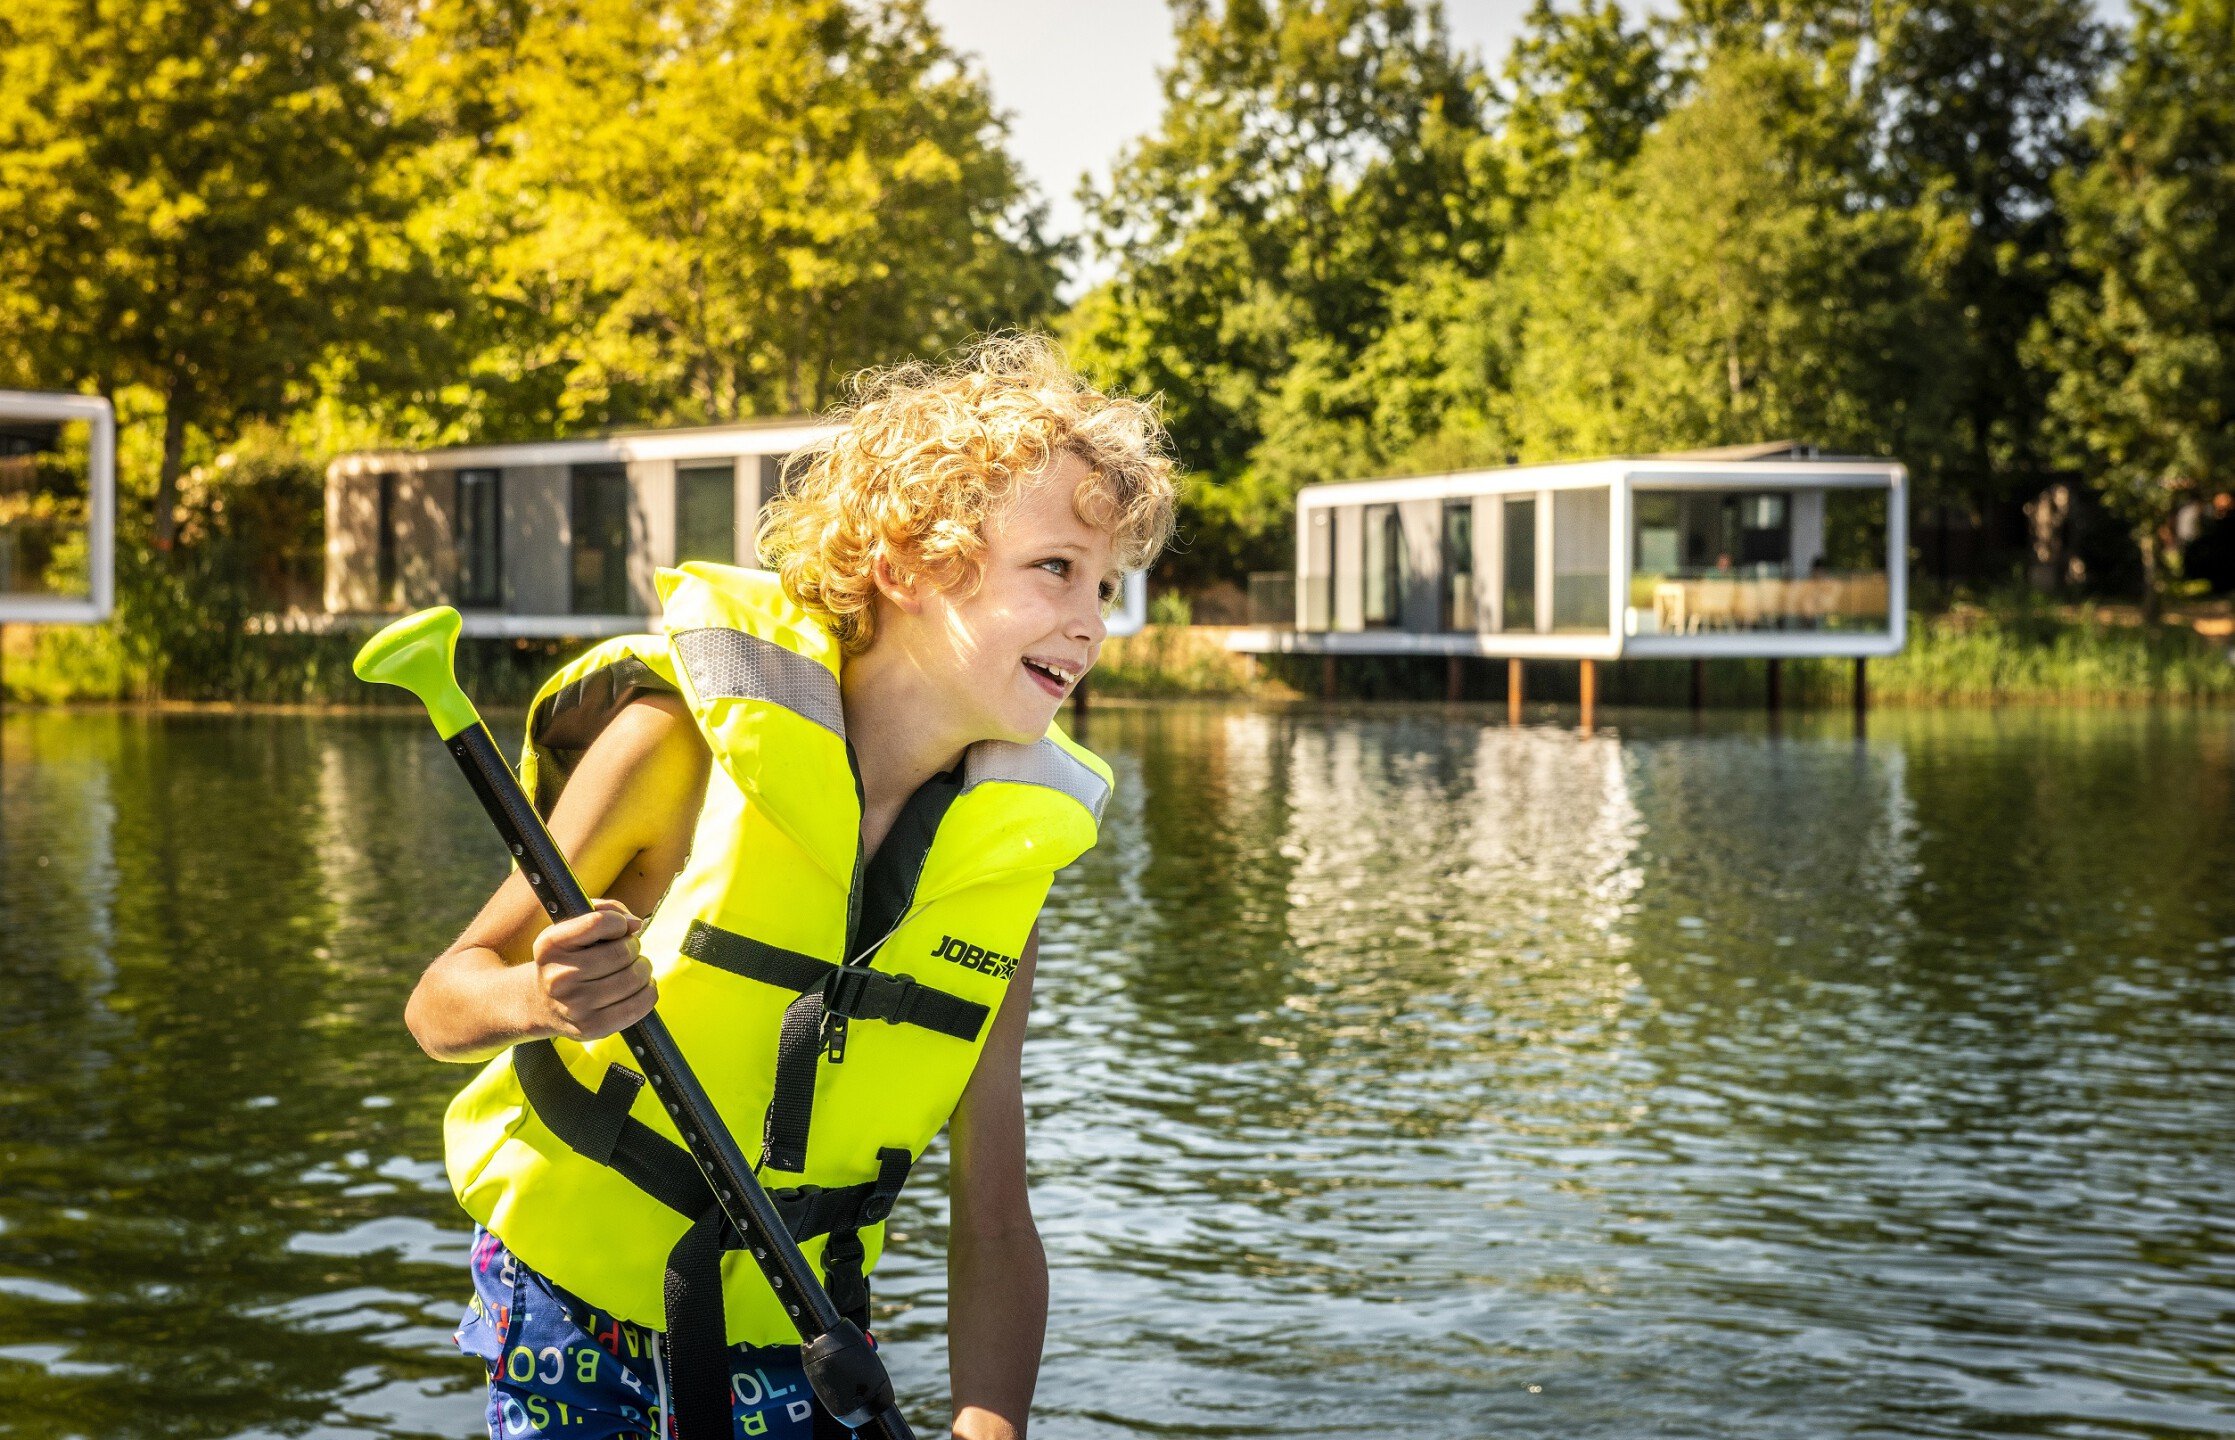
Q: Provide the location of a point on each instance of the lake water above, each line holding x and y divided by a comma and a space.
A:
1392, 1072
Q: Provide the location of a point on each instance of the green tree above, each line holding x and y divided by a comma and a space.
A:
696, 210
192, 196
2141, 344
1735, 284
1312, 153
1980, 102
1582, 88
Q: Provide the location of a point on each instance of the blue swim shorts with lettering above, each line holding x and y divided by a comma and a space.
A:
560, 1367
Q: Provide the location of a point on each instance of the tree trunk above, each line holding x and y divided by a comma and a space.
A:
2153, 579
2049, 521
166, 479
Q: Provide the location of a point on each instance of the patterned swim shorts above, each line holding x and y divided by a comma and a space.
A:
561, 1368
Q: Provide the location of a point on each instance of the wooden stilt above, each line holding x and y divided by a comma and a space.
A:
1078, 705
1587, 686
1862, 693
1454, 679
1699, 684
1776, 686
1513, 692
1326, 677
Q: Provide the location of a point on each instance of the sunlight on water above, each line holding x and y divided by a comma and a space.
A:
1392, 1072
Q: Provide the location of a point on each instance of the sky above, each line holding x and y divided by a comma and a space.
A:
1079, 79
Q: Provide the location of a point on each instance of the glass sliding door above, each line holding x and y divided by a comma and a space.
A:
480, 508
1458, 566
1385, 566
600, 512
1520, 551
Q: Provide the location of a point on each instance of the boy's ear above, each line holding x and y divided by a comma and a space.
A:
904, 591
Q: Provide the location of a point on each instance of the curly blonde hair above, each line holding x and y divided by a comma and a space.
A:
929, 454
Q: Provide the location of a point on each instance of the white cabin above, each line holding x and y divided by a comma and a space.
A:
1764, 551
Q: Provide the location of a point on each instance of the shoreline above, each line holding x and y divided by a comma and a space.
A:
1967, 656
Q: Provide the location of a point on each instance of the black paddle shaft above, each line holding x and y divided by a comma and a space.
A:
842, 1367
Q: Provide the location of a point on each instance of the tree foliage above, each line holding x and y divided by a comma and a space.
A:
697, 210
1312, 153
1689, 302
2141, 343
191, 199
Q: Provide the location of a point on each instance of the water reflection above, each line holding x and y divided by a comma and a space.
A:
1389, 1073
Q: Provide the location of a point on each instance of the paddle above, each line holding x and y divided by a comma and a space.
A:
418, 653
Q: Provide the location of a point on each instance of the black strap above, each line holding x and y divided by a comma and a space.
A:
854, 991
697, 1332
843, 1255
829, 995
791, 1103
597, 1124
753, 959
580, 1117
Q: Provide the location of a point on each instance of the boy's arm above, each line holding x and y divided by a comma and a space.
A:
624, 822
997, 1274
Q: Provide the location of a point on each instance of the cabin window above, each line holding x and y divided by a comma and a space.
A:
1520, 550
599, 509
706, 513
1385, 566
1458, 565
1709, 561
1579, 560
479, 510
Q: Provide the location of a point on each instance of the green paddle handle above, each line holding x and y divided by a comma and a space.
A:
419, 653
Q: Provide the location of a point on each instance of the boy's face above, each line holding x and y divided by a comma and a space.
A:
1007, 654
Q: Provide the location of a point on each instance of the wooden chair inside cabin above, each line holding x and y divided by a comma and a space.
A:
1713, 604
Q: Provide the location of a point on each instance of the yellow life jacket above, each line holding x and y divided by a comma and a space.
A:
832, 1003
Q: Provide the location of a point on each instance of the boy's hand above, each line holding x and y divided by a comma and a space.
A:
590, 982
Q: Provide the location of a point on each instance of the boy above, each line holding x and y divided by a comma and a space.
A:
839, 794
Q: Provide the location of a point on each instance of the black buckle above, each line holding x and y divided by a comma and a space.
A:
795, 1206
860, 993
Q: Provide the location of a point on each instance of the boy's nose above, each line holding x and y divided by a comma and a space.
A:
1090, 627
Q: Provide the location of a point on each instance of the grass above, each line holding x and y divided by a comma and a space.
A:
2090, 655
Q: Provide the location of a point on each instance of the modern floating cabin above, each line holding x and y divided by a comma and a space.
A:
552, 538
561, 537
1764, 551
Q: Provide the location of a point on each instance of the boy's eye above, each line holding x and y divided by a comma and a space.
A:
1062, 566
1109, 592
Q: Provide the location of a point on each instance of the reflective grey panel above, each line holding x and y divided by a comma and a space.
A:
1044, 763
730, 664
